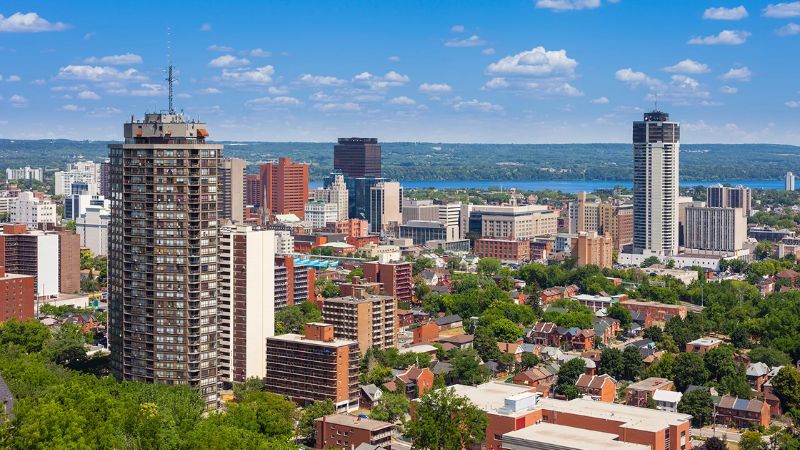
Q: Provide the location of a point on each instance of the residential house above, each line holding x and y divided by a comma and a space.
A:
426, 333
544, 333
512, 348
598, 387
789, 277
416, 381
702, 345
741, 413
460, 341
640, 393
606, 328
756, 374
451, 321
370, 396
667, 400
347, 432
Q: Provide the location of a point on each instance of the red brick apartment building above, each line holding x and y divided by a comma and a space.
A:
346, 431
284, 187
16, 292
503, 249
395, 277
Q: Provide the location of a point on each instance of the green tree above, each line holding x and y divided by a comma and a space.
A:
466, 368
751, 440
769, 356
631, 363
764, 249
421, 264
611, 362
567, 376
621, 314
267, 414
714, 443
689, 369
29, 335
530, 360
378, 375
650, 261
699, 405
489, 266
655, 334
445, 421
327, 288
663, 368
306, 426
719, 363
786, 386
505, 330
392, 407
292, 319
250, 385
67, 345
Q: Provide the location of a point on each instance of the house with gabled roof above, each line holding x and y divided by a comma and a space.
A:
597, 387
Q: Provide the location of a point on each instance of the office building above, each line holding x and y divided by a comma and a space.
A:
422, 231
357, 157
246, 301
284, 242
715, 229
92, 227
352, 227
336, 193
294, 281
450, 215
352, 432
656, 148
593, 249
617, 220
511, 221
78, 172
584, 214
395, 277
370, 320
32, 210
76, 204
788, 181
719, 196
16, 291
284, 187
105, 180
386, 207
24, 173
8, 201
319, 214
315, 366
252, 187
162, 264
231, 189
35, 253
69, 261
509, 250
419, 210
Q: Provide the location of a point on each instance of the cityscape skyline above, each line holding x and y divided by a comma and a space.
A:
517, 72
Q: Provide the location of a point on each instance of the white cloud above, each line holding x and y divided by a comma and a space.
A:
634, 78
210, 91
789, 29
272, 102
259, 53
343, 107
725, 37
402, 100
18, 101
457, 29
600, 101
97, 73
28, 23
88, 95
228, 61
278, 90
739, 74
148, 90
205, 27
782, 10
728, 89
535, 62
13, 78
564, 89
688, 66
476, 105
219, 48
497, 83
389, 80
723, 13
107, 111
259, 75
321, 80
394, 58
320, 96
72, 108
115, 60
39, 82
792, 104
488, 51
435, 88
472, 41
567, 5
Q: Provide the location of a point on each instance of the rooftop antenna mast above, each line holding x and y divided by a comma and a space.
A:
656, 100
170, 72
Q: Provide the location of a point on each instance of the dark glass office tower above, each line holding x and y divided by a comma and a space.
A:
357, 157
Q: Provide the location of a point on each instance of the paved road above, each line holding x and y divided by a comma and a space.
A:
721, 432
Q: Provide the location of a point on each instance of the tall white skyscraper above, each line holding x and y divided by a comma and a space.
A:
656, 148
78, 172
788, 181
385, 206
336, 193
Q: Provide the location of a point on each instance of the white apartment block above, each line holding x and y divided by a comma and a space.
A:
32, 211
246, 301
24, 173
78, 172
715, 229
318, 213
284, 242
516, 222
335, 193
92, 227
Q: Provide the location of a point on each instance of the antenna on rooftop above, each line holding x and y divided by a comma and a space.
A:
170, 72
656, 102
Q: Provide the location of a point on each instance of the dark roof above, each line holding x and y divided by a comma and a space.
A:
6, 396
448, 320
370, 390
641, 343
441, 367
458, 339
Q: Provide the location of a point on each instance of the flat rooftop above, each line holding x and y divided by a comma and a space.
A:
650, 384
490, 396
706, 341
633, 417
356, 422
299, 338
565, 437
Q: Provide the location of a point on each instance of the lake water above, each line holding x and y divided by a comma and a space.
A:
570, 187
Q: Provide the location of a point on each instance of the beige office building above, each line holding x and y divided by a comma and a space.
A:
231, 189
715, 229
371, 321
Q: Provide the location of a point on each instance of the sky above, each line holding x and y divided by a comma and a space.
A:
529, 71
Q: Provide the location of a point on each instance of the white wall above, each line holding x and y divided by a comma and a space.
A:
260, 299
48, 268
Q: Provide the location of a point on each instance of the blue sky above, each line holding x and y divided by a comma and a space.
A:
533, 71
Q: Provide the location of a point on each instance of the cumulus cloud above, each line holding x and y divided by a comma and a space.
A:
389, 80
563, 89
600, 101
107, 111
497, 83
472, 41
789, 29
725, 37
28, 23
321, 80
342, 107
88, 95
210, 91
259, 53
688, 66
115, 60
272, 102
435, 88
97, 73
13, 78
219, 48
782, 10
488, 51
402, 100
278, 90
738, 74
259, 75
632, 77
792, 104
72, 108
567, 5
728, 89
723, 13
535, 62
457, 29
476, 105
228, 61
18, 101
393, 58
